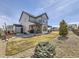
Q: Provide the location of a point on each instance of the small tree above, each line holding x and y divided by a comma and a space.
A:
44, 50
63, 30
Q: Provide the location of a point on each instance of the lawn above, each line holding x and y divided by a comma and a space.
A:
17, 45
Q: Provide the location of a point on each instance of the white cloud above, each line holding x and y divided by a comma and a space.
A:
47, 3
74, 23
44, 4
5, 19
65, 4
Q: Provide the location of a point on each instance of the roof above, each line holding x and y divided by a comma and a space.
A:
49, 26
9, 26
17, 25
32, 15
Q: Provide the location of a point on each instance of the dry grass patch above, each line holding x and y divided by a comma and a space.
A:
20, 44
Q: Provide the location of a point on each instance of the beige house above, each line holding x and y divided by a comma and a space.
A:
30, 24
72, 26
34, 24
9, 28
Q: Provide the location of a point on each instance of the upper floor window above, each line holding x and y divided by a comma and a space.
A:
31, 19
44, 21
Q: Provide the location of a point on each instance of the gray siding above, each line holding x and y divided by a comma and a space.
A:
25, 22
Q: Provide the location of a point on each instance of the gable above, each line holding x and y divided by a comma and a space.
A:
44, 16
23, 16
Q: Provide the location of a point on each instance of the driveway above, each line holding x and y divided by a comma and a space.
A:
24, 35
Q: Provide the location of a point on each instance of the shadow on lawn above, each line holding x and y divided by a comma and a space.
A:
62, 38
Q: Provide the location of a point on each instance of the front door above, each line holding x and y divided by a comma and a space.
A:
31, 29
21, 29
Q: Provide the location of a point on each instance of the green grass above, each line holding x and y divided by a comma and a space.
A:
17, 45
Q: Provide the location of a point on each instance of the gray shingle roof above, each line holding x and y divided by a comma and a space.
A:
32, 15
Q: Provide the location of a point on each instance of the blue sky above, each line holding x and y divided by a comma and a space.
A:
10, 10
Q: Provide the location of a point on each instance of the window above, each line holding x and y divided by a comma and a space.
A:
44, 28
39, 20
31, 19
44, 21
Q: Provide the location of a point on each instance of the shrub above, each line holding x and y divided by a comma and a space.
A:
76, 31
44, 50
63, 30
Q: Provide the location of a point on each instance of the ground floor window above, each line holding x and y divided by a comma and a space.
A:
44, 28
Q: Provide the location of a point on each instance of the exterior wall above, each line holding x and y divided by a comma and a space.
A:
72, 26
17, 29
44, 29
39, 20
36, 20
25, 22
44, 20
14, 29
55, 28
32, 19
10, 28
44, 24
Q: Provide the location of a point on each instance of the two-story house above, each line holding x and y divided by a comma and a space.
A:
34, 24
30, 24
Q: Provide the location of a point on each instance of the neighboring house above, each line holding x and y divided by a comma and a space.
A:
72, 26
49, 28
15, 28
9, 28
55, 29
30, 24
34, 24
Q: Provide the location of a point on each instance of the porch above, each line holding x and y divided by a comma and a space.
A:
38, 29
35, 28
